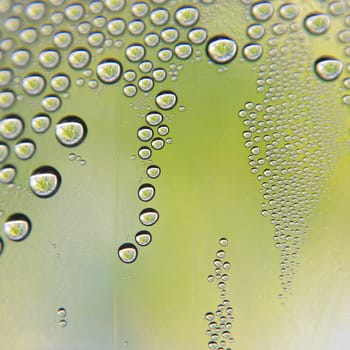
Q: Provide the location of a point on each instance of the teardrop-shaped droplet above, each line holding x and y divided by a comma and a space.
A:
45, 181
328, 69
127, 253
166, 100
149, 217
154, 118
71, 131
17, 227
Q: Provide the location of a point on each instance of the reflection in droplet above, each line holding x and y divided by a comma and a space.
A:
146, 192
34, 84
149, 217
127, 253
328, 69
45, 181
222, 49
17, 227
317, 23
11, 127
25, 149
40, 123
153, 171
4, 152
71, 131
187, 16
166, 100
143, 238
79, 59
109, 71
7, 174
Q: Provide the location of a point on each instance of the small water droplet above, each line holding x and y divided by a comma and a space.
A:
17, 227
61, 312
34, 84
187, 16
146, 192
7, 174
149, 217
49, 59
40, 123
166, 100
262, 11
45, 181
71, 131
62, 323
159, 16
25, 149
127, 253
79, 59
135, 52
153, 171
143, 238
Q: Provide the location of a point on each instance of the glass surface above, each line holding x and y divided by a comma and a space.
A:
174, 175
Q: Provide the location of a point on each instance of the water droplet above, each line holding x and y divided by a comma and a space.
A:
130, 90
166, 100
344, 36
11, 127
49, 59
7, 99
262, 11
289, 11
12, 24
209, 316
35, 11
317, 23
57, 18
144, 153
221, 49
84, 28
127, 253
4, 152
169, 35
74, 12
40, 123
79, 59
144, 134
146, 84
109, 71
149, 217
63, 39
163, 130
136, 27
337, 8
146, 192
183, 51
45, 181
187, 16
130, 75
153, 171
116, 26
72, 156
159, 74
223, 242
328, 69
157, 143
165, 54
139, 9
28, 35
7, 174
135, 53
61, 312
99, 21
96, 39
197, 36
51, 103
71, 131
6, 76
143, 238
159, 16
252, 52
17, 227
34, 84
114, 5
62, 323
60, 82
152, 39
25, 149
145, 66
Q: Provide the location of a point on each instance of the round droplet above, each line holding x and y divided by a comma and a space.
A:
96, 39
157, 143
289, 11
145, 153
4, 152
139, 9
337, 8
166, 100
159, 74
33, 84
7, 99
60, 82
169, 35
74, 12
209, 316
130, 75
28, 35
130, 90
159, 16
328, 69
222, 49
21, 58
61, 312
84, 27
35, 11
135, 53
183, 51
45, 181
143, 238
223, 242
152, 39
127, 253
99, 21
145, 66
12, 24
344, 36
262, 11
25, 149
11, 127
153, 171
71, 131
62, 323
6, 76
165, 54
17, 227
252, 52
197, 36
57, 18
114, 5
146, 84
146, 192
109, 71
187, 16
144, 134
317, 23
136, 27
40, 123
163, 130
63, 39
116, 26
149, 217
79, 59
51, 103
49, 59
7, 174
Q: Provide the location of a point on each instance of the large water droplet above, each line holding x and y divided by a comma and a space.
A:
71, 131
328, 69
169, 35
139, 9
51, 103
166, 100
60, 82
289, 11
127, 253
143, 238
109, 71
34, 84
149, 217
49, 59
17, 227
317, 23
222, 49
45, 181
187, 16
11, 127
21, 58
116, 26
252, 52
74, 12
35, 10
183, 51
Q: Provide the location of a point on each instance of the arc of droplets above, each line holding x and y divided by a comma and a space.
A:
290, 134
220, 321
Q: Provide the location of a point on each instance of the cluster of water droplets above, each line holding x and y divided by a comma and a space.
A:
61, 315
219, 328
